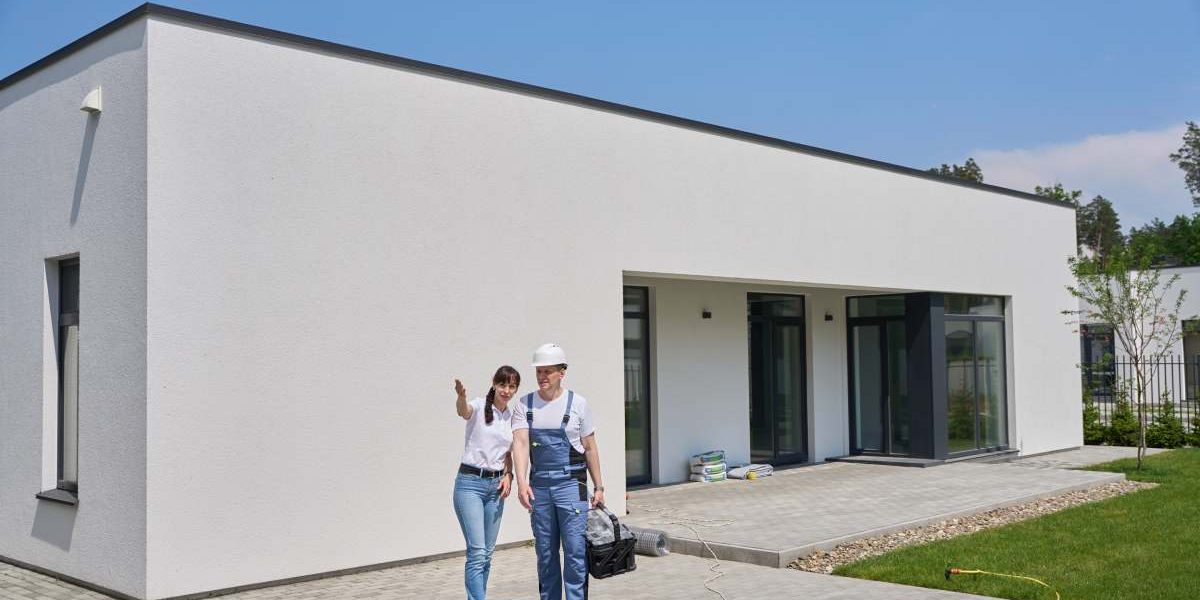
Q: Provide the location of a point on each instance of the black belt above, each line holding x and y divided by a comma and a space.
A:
466, 469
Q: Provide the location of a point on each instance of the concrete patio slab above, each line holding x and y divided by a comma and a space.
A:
773, 521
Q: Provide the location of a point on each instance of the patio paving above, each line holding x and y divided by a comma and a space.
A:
765, 522
514, 577
773, 521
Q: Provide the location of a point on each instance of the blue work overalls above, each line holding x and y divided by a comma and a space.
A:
558, 476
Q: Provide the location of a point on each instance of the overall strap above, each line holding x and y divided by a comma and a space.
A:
529, 409
567, 415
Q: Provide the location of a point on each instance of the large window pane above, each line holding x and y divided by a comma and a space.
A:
989, 356
960, 376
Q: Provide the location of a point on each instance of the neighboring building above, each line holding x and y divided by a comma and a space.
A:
1177, 375
235, 299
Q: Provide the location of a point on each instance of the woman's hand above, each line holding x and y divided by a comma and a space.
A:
464, 410
597, 498
525, 495
505, 486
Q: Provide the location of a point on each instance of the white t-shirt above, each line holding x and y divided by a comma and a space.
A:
549, 415
486, 445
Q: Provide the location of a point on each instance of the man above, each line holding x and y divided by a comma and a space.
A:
554, 448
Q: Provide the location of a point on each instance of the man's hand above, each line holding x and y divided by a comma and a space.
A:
505, 486
597, 498
525, 495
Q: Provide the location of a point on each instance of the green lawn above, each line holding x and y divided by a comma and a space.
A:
1142, 545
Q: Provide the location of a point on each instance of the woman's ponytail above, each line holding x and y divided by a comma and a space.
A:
488, 413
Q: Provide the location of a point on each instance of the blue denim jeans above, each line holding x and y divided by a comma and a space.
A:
479, 508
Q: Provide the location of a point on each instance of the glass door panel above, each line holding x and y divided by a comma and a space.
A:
897, 386
960, 375
762, 446
789, 389
637, 385
989, 356
868, 388
777, 387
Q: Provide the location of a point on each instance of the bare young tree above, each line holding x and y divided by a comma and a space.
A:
1138, 303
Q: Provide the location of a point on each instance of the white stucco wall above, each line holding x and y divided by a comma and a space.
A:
74, 184
333, 241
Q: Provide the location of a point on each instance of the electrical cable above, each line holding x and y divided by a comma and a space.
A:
673, 517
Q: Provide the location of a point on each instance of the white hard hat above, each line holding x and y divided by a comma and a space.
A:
549, 354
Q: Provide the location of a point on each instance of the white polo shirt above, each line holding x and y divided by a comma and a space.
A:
486, 445
549, 415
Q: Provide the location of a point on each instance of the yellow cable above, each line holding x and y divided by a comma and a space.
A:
950, 572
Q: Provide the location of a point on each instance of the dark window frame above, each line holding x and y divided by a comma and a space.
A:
1002, 318
851, 322
644, 316
68, 297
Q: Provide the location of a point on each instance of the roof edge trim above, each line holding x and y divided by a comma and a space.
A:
151, 9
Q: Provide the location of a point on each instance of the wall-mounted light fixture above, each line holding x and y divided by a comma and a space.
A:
92, 102
705, 313
829, 316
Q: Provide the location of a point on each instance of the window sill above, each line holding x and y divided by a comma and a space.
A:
59, 496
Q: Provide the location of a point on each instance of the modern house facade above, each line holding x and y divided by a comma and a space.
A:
237, 289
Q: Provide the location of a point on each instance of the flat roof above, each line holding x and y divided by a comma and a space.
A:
156, 10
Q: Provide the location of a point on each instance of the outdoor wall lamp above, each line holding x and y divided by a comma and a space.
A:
829, 316
705, 313
91, 102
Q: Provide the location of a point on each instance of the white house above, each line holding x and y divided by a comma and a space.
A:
237, 289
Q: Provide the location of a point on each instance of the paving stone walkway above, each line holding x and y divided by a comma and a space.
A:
858, 497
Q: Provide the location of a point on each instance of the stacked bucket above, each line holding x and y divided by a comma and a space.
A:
708, 466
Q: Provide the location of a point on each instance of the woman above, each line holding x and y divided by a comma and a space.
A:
485, 475
554, 447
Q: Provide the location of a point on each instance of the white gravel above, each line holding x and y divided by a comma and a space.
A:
824, 561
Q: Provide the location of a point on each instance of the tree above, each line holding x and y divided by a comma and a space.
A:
1177, 244
1058, 193
970, 171
1098, 228
1188, 159
1133, 298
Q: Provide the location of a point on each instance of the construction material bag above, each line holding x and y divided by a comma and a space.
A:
610, 544
708, 477
710, 457
716, 469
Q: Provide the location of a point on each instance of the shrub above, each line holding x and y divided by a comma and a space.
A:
1094, 431
1123, 428
1166, 431
1193, 438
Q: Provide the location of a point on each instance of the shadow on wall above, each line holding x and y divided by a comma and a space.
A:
85, 159
54, 524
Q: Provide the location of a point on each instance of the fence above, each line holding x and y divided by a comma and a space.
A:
1175, 379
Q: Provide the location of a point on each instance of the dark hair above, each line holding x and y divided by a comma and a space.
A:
504, 374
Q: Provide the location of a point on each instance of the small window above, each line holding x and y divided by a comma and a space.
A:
68, 375
982, 306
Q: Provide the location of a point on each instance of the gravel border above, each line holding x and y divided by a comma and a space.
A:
824, 561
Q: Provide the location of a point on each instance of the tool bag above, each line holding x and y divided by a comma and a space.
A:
610, 544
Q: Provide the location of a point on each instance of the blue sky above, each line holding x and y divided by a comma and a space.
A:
1093, 94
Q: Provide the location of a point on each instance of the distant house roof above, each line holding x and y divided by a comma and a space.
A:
156, 10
